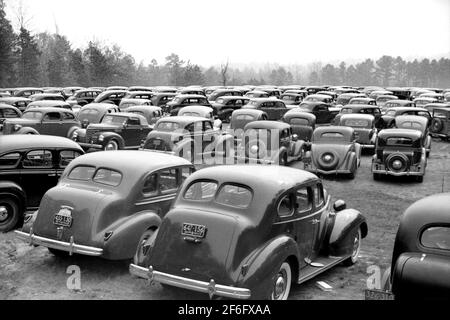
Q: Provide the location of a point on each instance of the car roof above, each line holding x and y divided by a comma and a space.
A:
396, 132
344, 130
48, 109
360, 106
197, 108
25, 141
414, 118
360, 116
101, 106
15, 99
233, 97
265, 124
182, 119
144, 108
184, 96
296, 113
254, 112
49, 103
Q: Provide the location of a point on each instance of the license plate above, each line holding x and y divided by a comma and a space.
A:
378, 295
62, 220
193, 230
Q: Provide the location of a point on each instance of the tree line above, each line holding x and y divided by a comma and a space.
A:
45, 59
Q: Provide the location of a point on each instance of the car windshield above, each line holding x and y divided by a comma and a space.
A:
347, 110
90, 112
201, 191
167, 126
357, 123
410, 125
33, 115
116, 120
436, 238
234, 196
399, 141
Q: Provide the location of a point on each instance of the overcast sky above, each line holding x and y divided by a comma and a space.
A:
243, 31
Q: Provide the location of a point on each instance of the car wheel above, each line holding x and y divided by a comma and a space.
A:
140, 251
281, 285
9, 214
355, 249
112, 145
58, 253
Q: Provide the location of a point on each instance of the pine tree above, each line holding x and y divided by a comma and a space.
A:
6, 48
27, 55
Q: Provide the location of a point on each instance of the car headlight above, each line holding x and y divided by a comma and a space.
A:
17, 127
101, 138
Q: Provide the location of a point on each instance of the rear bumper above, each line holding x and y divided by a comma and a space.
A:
210, 288
86, 146
241, 159
385, 171
70, 247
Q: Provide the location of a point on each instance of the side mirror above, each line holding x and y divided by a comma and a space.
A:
294, 137
339, 205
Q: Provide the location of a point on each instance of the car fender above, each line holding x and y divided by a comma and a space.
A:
123, 242
71, 131
346, 222
112, 135
258, 270
12, 189
27, 130
279, 154
298, 148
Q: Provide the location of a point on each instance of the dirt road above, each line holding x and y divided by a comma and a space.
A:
33, 273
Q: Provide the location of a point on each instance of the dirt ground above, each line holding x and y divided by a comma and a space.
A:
33, 273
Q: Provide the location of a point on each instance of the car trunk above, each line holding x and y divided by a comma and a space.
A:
179, 254
163, 141
363, 135
338, 150
82, 202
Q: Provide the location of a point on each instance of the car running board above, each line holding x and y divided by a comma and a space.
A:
313, 269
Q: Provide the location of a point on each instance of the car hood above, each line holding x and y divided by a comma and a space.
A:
20, 121
86, 204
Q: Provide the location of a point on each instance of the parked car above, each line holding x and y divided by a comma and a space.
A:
126, 103
366, 101
140, 88
94, 113
270, 142
29, 166
376, 93
197, 111
7, 112
188, 137
223, 92
440, 126
49, 104
151, 113
162, 98
399, 152
302, 123
19, 103
433, 95
399, 103
27, 92
49, 121
116, 131
111, 96
421, 255
46, 96
345, 98
319, 98
364, 126
273, 92
181, 101
401, 93
147, 95
416, 123
240, 118
382, 99
374, 111
257, 94
83, 97
323, 112
248, 235
421, 102
191, 90
334, 150
104, 202
431, 106
291, 99
393, 112
274, 108
225, 105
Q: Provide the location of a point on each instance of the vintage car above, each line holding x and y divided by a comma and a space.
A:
181, 101
433, 95
147, 95
421, 102
324, 112
26, 92
270, 142
225, 105
111, 96
240, 118
47, 97
334, 151
249, 235
162, 98
319, 98
364, 126
399, 152
223, 92
83, 97
421, 256
49, 121
104, 202
151, 113
94, 113
382, 99
256, 94
431, 106
440, 126
447, 97
345, 98
29, 166
416, 123
49, 104
313, 89
192, 90
376, 93
274, 108
363, 100
374, 111
126, 103
391, 113
272, 91
140, 88
401, 93
116, 131
18, 102
197, 111
189, 137
291, 99
7, 111
399, 103
332, 94
302, 123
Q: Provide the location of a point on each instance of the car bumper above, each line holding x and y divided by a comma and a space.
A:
241, 159
210, 288
70, 247
86, 146
385, 171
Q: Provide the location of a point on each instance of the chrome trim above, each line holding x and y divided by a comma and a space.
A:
210, 288
156, 200
70, 247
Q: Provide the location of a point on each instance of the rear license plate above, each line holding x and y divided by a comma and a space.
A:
193, 230
378, 295
62, 220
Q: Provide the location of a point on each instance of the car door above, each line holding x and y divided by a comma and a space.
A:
64, 158
318, 218
51, 124
132, 132
208, 133
38, 174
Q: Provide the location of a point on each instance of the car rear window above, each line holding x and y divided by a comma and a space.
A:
33, 115
436, 238
235, 196
9, 160
82, 173
167, 126
245, 117
410, 125
399, 141
299, 122
357, 123
201, 191
108, 177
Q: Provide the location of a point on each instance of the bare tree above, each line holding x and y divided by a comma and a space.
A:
21, 12
224, 73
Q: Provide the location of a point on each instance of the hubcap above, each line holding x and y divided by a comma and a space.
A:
397, 164
327, 158
3, 213
254, 149
280, 286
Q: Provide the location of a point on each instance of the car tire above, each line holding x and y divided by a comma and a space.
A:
282, 282
140, 254
9, 214
111, 145
356, 248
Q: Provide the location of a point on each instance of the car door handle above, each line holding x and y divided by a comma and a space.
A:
315, 221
